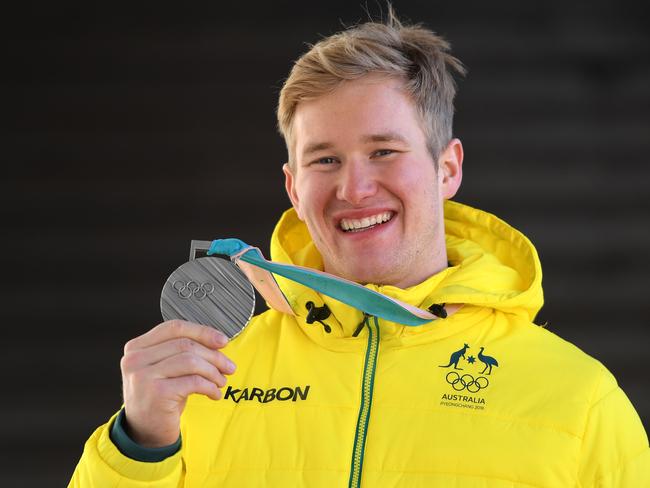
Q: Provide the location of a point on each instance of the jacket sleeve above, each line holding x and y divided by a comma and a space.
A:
615, 449
102, 465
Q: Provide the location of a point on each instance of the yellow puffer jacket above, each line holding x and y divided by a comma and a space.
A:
483, 398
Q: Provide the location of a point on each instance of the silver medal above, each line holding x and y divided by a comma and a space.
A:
210, 291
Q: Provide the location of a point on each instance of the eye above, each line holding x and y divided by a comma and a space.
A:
383, 152
327, 160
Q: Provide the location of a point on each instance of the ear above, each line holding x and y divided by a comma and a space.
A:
290, 186
450, 168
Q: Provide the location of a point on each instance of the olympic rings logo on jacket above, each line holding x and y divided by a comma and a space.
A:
459, 383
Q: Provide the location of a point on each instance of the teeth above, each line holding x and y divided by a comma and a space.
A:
358, 224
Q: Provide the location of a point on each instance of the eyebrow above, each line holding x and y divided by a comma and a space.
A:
383, 137
317, 146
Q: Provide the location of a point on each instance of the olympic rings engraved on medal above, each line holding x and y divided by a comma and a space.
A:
459, 383
192, 289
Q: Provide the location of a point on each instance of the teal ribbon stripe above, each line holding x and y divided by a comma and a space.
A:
345, 291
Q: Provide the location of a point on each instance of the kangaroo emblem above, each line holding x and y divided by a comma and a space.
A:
455, 357
489, 361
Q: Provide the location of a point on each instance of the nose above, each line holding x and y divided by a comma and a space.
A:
357, 182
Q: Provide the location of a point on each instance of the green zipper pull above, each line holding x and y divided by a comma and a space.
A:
359, 328
369, 367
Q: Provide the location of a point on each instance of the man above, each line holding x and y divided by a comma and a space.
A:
332, 396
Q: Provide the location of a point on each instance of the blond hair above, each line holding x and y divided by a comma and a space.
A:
411, 53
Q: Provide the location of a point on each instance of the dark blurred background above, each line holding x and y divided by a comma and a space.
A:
126, 132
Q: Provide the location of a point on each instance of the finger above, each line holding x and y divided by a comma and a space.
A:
173, 329
187, 364
141, 358
184, 386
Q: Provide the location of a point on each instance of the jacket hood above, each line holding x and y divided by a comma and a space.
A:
492, 265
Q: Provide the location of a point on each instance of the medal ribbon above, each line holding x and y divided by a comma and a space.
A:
258, 270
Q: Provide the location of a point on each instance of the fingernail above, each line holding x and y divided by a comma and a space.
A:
231, 366
221, 337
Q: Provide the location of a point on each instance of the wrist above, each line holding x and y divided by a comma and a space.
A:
150, 440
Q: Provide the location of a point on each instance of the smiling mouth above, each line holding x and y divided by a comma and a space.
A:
358, 225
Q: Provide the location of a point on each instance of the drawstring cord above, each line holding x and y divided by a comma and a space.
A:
318, 314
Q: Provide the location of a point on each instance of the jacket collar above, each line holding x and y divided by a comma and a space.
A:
492, 265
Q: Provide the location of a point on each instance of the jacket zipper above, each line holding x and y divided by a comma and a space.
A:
369, 367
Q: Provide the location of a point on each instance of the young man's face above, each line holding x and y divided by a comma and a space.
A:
366, 185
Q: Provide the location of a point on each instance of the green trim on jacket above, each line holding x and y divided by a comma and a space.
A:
133, 450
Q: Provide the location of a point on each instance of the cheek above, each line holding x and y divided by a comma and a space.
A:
312, 199
410, 182
417, 189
